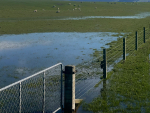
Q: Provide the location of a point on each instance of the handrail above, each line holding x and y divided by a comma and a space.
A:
29, 77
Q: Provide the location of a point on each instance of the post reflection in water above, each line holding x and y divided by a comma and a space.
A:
103, 91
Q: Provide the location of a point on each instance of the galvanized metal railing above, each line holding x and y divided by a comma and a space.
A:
40, 92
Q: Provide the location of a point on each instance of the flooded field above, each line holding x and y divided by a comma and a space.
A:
137, 16
24, 54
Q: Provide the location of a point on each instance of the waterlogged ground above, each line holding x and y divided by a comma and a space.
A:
137, 16
24, 54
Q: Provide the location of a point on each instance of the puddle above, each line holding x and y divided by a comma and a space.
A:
24, 54
136, 16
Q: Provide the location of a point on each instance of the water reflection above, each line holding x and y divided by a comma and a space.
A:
137, 16
24, 54
103, 90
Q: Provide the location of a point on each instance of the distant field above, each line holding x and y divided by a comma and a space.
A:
17, 16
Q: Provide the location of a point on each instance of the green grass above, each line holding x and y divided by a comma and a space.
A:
128, 88
18, 16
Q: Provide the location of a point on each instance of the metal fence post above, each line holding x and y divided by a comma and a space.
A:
144, 34
20, 97
124, 49
136, 40
105, 64
69, 99
44, 92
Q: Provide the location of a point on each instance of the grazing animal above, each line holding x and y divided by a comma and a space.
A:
72, 9
69, 3
75, 8
35, 10
54, 6
95, 7
58, 8
58, 11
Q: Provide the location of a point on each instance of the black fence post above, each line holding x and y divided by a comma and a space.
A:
144, 34
124, 49
105, 64
136, 40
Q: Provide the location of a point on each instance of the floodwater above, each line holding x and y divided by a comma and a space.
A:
25, 54
136, 16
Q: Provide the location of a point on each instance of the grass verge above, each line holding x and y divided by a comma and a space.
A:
18, 17
128, 89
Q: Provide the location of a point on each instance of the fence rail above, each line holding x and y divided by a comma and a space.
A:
40, 92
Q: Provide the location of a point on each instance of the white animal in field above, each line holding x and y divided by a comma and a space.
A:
58, 8
75, 8
95, 7
35, 10
72, 9
69, 3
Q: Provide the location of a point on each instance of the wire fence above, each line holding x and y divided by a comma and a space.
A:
43, 91
87, 76
40, 92
133, 43
89, 73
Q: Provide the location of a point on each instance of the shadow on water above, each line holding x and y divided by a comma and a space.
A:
24, 54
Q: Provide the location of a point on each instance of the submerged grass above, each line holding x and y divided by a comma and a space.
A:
128, 88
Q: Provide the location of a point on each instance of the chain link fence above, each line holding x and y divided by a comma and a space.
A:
37, 93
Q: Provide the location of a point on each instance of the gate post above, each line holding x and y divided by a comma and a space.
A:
69, 91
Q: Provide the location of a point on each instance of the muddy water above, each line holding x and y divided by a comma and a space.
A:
24, 54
